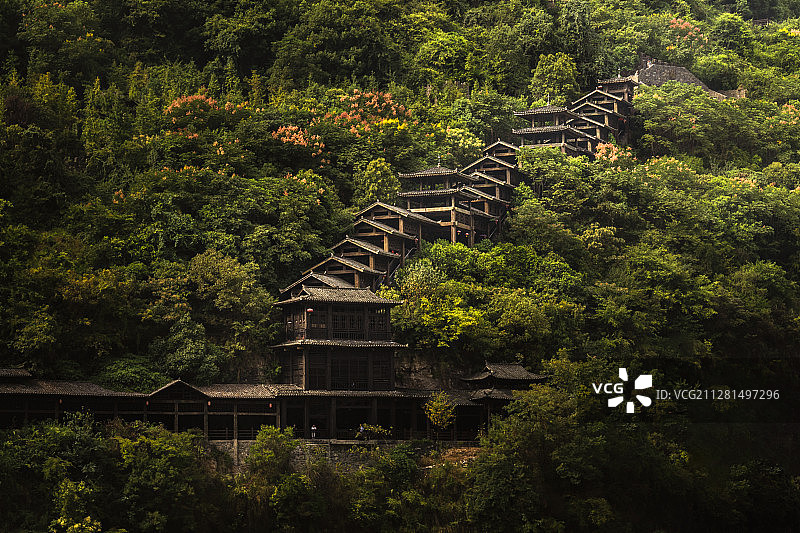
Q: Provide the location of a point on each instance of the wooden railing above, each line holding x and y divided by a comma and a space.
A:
338, 334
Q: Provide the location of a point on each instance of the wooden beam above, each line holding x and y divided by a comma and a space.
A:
306, 418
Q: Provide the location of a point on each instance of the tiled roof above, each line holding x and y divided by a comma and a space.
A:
434, 192
487, 196
342, 343
326, 294
355, 265
604, 93
14, 373
383, 227
601, 109
544, 110
505, 371
659, 74
399, 211
491, 394
575, 122
489, 158
618, 79
330, 281
62, 388
174, 383
433, 171
501, 143
239, 390
488, 177
547, 129
371, 248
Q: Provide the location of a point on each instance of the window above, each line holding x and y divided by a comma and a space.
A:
347, 323
381, 372
318, 370
349, 372
378, 323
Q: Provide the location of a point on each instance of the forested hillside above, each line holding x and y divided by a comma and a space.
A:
166, 166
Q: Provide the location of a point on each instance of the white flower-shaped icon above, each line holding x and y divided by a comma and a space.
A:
644, 381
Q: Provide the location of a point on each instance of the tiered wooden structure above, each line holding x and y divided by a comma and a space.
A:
579, 128
338, 356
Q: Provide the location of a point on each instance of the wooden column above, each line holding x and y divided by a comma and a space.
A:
175, 417
332, 417
306, 414
393, 415
471, 229
365, 326
373, 413
305, 368
282, 415
236, 433
205, 418
328, 358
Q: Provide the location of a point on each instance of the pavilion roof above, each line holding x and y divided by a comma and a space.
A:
326, 294
341, 343
498, 142
399, 210
508, 371
549, 129
355, 265
434, 171
42, 387
383, 227
492, 159
330, 281
371, 248
460, 191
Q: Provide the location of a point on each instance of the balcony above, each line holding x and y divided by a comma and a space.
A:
295, 333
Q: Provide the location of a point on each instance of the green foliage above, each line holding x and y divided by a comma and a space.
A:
555, 79
168, 166
78, 477
376, 183
270, 453
440, 410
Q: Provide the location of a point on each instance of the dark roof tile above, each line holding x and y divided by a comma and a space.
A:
547, 129
371, 248
436, 192
330, 281
62, 388
326, 294
383, 227
14, 373
505, 371
341, 343
399, 211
